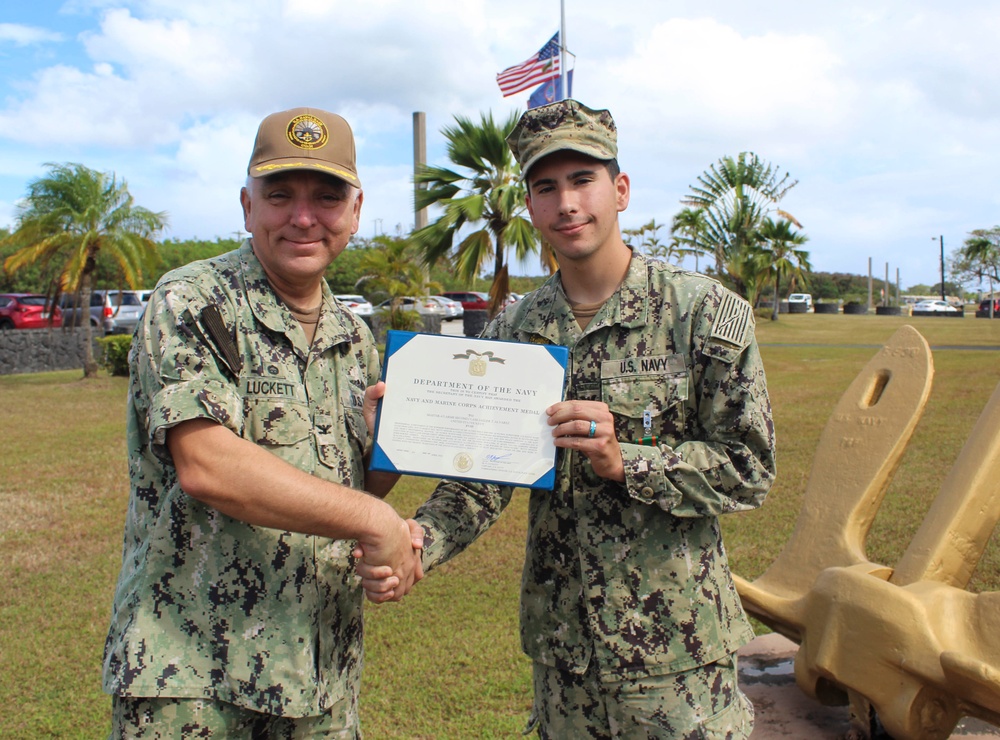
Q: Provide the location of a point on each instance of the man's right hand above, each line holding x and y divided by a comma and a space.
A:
389, 567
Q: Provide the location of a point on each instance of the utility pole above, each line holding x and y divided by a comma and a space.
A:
942, 267
869, 283
419, 160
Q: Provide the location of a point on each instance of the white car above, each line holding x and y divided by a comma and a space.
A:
423, 306
939, 306
452, 309
805, 298
357, 303
126, 309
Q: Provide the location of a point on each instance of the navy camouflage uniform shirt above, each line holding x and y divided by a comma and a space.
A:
634, 576
206, 605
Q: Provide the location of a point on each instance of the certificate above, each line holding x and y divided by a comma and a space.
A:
465, 408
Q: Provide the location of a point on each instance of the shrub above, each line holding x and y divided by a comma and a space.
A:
114, 351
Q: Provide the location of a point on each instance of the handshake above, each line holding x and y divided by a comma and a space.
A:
390, 566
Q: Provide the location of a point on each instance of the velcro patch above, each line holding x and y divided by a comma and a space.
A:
734, 321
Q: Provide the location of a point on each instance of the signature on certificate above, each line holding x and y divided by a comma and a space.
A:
494, 457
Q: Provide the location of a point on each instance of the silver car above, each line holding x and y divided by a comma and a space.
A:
423, 306
111, 311
126, 309
452, 309
357, 303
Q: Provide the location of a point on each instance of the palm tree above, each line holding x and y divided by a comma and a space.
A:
487, 196
734, 197
777, 255
686, 228
984, 253
389, 268
69, 217
647, 238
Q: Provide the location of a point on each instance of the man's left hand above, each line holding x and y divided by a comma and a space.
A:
372, 395
589, 427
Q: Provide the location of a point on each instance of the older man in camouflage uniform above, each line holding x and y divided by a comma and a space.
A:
628, 610
252, 392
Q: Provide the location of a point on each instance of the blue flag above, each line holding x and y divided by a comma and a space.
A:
549, 92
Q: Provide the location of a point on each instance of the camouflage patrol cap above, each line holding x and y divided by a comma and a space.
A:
566, 125
304, 139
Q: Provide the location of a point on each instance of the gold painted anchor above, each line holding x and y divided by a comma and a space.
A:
909, 643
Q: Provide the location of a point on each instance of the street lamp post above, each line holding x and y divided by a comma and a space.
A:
941, 238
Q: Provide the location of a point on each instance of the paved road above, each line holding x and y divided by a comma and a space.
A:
452, 328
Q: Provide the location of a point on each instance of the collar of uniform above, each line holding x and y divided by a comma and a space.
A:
335, 324
545, 310
539, 312
332, 328
629, 305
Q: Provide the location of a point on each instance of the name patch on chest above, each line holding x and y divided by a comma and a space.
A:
261, 387
642, 365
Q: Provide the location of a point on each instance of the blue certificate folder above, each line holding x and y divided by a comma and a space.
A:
469, 409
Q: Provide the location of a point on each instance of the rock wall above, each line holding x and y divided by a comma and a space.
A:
40, 350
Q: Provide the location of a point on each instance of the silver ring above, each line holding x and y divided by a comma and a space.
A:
593, 429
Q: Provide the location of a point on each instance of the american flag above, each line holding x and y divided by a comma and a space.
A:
540, 67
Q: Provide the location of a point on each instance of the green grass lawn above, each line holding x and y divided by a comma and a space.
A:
445, 663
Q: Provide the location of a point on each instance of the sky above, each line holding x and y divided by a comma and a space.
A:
886, 112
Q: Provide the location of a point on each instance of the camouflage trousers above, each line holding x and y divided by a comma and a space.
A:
151, 718
704, 703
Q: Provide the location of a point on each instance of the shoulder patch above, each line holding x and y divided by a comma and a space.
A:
733, 321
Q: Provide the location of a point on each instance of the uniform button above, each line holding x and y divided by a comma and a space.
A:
646, 492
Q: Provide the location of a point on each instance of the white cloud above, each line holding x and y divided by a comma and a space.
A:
20, 35
884, 113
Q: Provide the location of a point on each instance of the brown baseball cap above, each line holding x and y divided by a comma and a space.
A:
304, 139
565, 125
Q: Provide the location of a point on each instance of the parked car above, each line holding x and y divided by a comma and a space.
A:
424, 306
805, 298
357, 303
514, 298
984, 306
470, 299
110, 311
452, 309
144, 296
27, 311
127, 308
73, 315
938, 305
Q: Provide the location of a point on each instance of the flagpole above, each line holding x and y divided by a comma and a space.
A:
562, 49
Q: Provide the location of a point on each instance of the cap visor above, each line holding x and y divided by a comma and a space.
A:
289, 164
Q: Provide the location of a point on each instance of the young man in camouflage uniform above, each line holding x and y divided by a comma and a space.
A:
252, 393
628, 610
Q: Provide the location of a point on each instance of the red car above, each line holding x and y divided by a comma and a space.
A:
470, 299
27, 311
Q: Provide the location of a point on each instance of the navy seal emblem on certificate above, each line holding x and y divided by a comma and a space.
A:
469, 408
